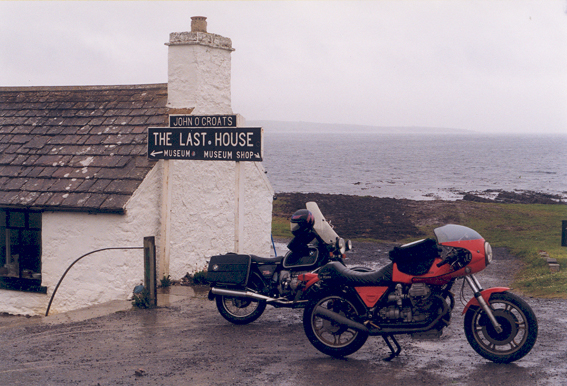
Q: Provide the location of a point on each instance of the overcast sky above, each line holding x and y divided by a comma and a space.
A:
491, 66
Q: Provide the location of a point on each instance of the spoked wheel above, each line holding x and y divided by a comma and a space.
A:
519, 329
330, 337
242, 310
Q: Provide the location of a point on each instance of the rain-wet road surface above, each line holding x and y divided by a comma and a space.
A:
189, 343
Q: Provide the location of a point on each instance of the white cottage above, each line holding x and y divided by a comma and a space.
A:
75, 177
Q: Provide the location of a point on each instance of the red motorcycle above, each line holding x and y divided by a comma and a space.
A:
412, 295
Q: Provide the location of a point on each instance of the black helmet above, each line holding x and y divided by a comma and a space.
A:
302, 221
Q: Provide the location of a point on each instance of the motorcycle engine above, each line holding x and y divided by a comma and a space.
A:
288, 282
413, 306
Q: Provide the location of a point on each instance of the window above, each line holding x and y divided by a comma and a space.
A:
20, 250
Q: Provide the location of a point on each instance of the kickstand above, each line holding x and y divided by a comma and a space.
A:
393, 353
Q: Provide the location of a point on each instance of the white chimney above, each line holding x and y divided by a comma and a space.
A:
199, 70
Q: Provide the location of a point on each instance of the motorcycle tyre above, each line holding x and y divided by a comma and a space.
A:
337, 352
254, 283
516, 304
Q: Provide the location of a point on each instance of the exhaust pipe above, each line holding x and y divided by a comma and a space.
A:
335, 317
240, 294
253, 295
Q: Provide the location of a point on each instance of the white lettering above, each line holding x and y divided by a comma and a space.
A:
182, 121
217, 155
245, 155
178, 153
163, 139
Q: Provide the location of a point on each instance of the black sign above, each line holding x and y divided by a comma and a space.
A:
220, 144
202, 121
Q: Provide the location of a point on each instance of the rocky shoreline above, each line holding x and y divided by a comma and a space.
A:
391, 219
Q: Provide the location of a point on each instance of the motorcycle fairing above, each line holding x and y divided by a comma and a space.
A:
460, 236
476, 248
452, 232
305, 257
370, 295
322, 226
442, 275
485, 295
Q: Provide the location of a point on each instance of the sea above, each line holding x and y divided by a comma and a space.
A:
417, 166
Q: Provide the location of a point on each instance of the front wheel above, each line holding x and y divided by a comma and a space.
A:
239, 310
330, 337
519, 329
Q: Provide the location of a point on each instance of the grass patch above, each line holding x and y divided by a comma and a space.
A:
280, 227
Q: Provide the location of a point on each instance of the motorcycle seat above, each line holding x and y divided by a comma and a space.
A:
266, 260
337, 272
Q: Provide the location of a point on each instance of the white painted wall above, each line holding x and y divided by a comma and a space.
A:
204, 211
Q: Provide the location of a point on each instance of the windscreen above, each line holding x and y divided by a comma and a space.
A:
453, 232
322, 227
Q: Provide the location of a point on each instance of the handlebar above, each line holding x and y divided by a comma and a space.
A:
458, 258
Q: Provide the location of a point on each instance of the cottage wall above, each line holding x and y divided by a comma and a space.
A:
204, 212
102, 276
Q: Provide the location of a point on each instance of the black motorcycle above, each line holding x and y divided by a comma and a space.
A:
243, 285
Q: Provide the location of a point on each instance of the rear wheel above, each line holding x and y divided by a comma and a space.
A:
330, 337
519, 329
239, 310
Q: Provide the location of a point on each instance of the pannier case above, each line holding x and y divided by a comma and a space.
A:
231, 269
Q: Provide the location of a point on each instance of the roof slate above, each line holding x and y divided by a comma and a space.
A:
76, 148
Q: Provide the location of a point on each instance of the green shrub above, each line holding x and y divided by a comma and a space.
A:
165, 281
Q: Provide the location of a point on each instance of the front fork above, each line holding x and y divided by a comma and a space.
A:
481, 296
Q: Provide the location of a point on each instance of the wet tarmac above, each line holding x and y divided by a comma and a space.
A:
186, 342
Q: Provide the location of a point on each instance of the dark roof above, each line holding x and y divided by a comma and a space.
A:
76, 148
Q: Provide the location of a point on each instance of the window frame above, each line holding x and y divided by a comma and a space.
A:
12, 221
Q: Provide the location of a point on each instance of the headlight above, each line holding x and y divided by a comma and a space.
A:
348, 245
487, 253
341, 246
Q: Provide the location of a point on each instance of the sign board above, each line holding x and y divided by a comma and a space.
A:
210, 144
202, 120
